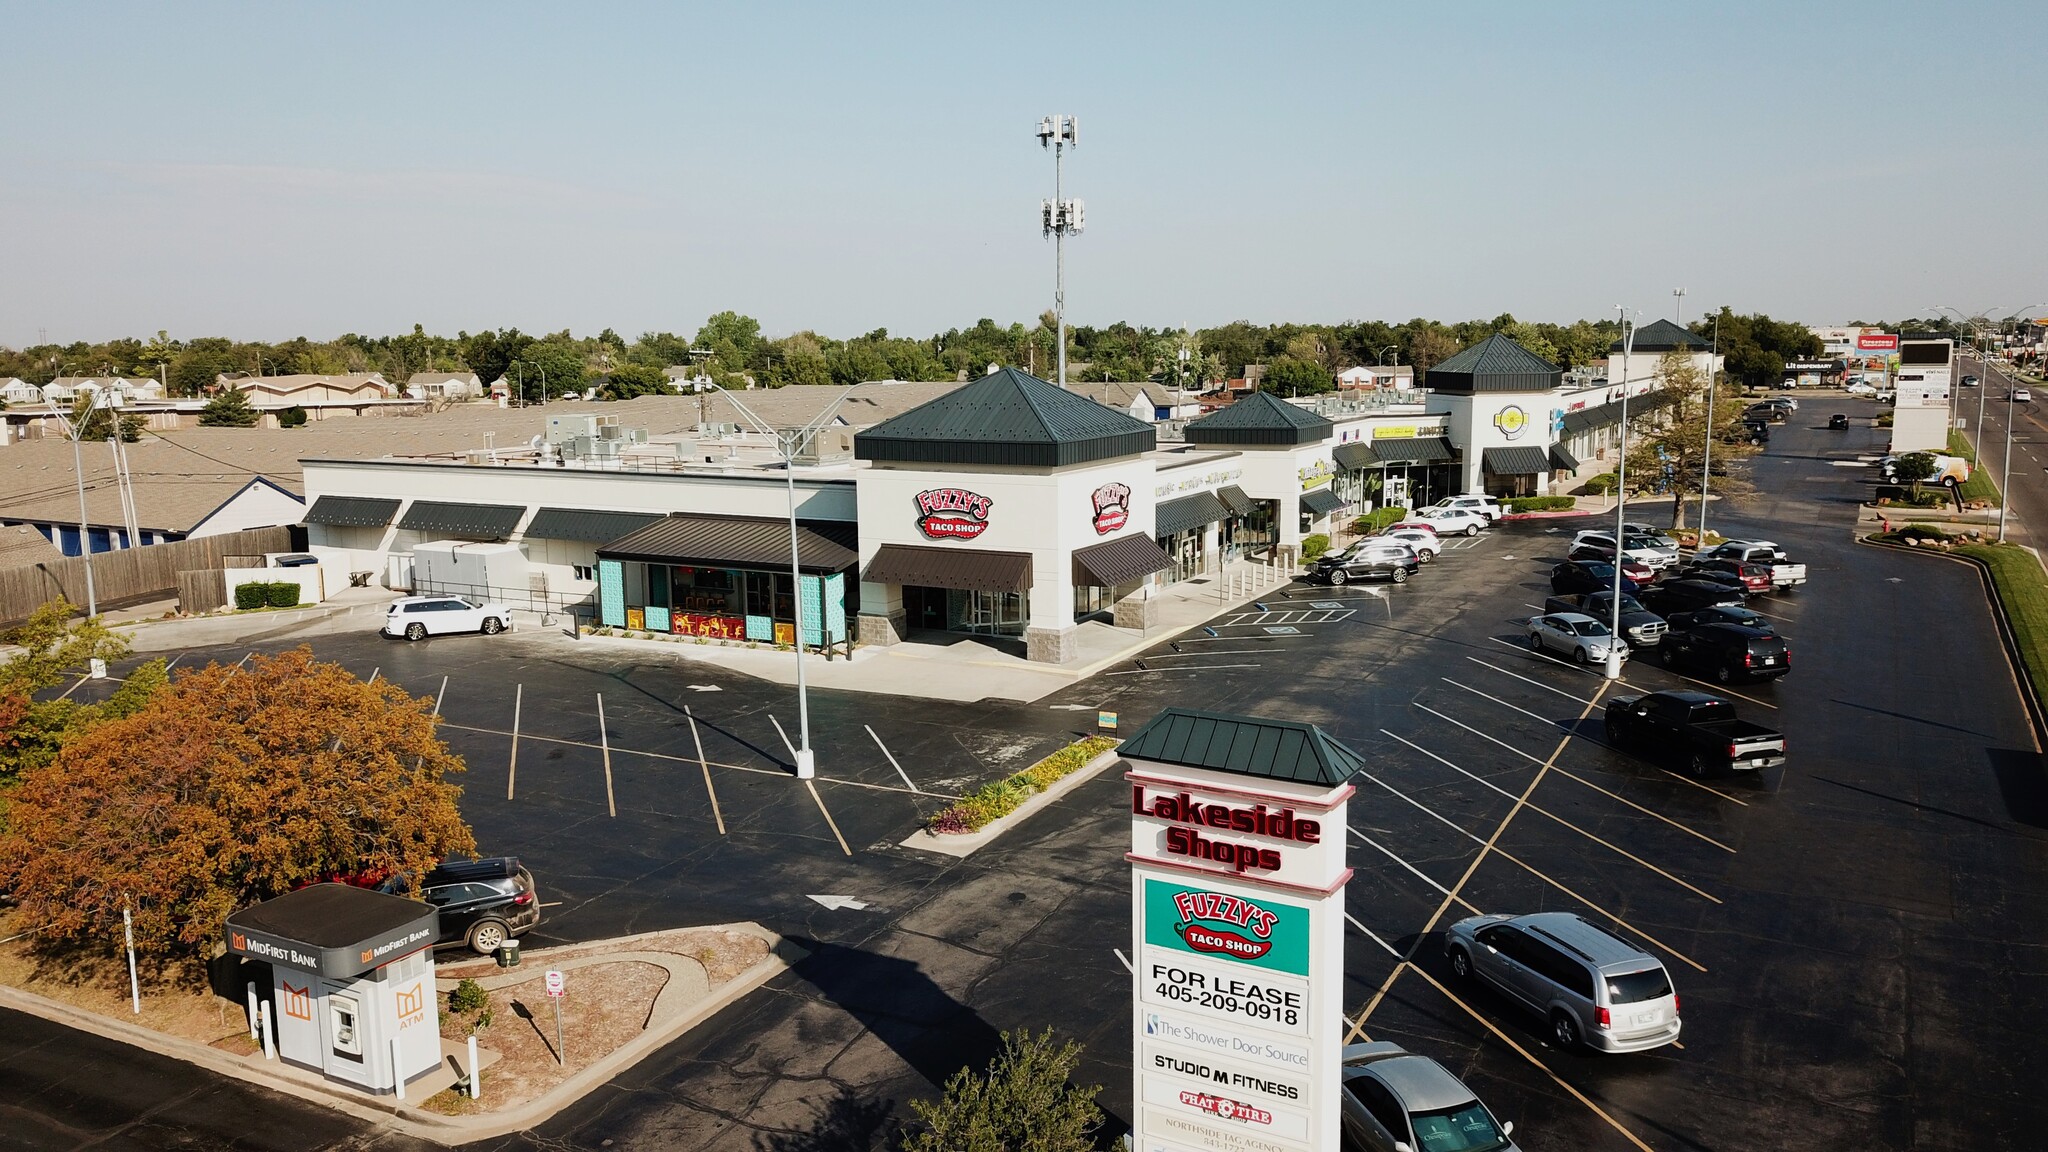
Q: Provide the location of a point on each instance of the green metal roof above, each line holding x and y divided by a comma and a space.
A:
353, 511
1259, 418
1664, 336
1007, 418
1320, 501
1495, 364
1243, 745
483, 521
587, 525
1419, 450
1514, 461
1355, 455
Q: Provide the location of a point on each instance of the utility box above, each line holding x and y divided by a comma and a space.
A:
352, 982
467, 568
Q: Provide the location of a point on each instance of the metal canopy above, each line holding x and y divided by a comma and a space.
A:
1356, 456
353, 511
1119, 561
1495, 364
336, 930
1422, 450
1259, 418
1234, 499
1563, 460
1245, 745
973, 571
1188, 512
594, 527
1514, 461
488, 521
708, 541
1320, 502
1007, 418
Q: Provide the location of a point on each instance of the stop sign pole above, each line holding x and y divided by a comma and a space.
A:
555, 992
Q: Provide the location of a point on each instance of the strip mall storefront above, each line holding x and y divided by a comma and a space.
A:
728, 578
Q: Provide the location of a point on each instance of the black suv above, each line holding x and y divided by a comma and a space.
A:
482, 903
1730, 651
1690, 594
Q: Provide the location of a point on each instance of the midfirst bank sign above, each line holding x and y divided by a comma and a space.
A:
1237, 933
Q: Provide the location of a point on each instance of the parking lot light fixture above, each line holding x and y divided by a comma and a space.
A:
1707, 451
1628, 343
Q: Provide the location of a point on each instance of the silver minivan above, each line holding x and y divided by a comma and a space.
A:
1595, 989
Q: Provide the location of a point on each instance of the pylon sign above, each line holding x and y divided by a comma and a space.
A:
1237, 916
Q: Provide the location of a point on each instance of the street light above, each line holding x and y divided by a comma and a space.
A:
1678, 309
788, 442
1396, 350
76, 430
1060, 217
1628, 343
1707, 454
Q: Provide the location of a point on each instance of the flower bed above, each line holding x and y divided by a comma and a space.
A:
998, 798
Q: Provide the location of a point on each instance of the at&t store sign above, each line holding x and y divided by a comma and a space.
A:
1237, 934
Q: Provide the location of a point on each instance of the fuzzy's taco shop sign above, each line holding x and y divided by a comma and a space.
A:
1237, 932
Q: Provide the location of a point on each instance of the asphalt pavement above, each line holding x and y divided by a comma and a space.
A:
1848, 934
2028, 474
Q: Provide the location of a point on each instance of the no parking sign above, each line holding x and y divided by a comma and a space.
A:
554, 985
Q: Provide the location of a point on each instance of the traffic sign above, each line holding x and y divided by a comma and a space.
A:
555, 984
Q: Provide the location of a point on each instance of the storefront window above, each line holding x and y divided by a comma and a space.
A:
1185, 548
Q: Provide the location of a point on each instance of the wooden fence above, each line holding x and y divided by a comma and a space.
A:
129, 575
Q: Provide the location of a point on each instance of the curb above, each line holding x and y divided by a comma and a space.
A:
2030, 694
448, 1131
963, 845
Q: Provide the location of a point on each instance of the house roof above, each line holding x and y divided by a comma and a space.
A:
1243, 745
1664, 336
1007, 417
1495, 364
21, 545
439, 377
1259, 418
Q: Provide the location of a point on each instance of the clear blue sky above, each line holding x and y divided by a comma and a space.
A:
278, 170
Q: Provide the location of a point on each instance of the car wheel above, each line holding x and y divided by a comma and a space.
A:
1337, 577
1400, 575
1724, 675
1564, 1030
1579, 656
1425, 557
1535, 642
1471, 529
485, 937
493, 625
1461, 964
415, 631
1699, 767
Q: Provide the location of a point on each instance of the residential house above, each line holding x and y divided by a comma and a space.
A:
443, 386
1377, 376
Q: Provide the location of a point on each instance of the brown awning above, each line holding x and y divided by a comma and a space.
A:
760, 542
1119, 561
970, 570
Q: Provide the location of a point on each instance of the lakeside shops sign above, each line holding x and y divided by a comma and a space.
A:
1237, 910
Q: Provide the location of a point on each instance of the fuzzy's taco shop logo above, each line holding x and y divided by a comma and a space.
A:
1112, 504
952, 513
1249, 931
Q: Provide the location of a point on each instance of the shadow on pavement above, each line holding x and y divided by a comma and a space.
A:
2022, 784
849, 1122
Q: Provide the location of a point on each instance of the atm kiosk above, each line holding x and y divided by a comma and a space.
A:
352, 982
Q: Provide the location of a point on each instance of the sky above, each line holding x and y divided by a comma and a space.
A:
271, 171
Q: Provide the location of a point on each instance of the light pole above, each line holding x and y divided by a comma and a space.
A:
1396, 350
1678, 310
788, 442
1977, 433
1060, 217
1628, 342
1707, 454
75, 429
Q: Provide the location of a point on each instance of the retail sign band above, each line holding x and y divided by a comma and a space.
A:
1186, 814
1112, 503
952, 513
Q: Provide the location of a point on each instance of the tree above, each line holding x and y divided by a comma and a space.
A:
229, 409
549, 366
1914, 467
228, 787
292, 417
1428, 346
1025, 1102
51, 647
731, 338
1291, 377
1668, 435
629, 380
99, 421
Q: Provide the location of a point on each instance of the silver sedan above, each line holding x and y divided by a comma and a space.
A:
1573, 634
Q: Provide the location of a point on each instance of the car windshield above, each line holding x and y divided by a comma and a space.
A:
1586, 627
1636, 987
1466, 1128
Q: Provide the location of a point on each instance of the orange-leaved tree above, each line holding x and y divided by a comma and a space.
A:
229, 787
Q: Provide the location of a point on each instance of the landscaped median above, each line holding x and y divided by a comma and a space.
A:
2016, 578
981, 815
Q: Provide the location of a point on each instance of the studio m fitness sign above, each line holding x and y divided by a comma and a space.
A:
1237, 932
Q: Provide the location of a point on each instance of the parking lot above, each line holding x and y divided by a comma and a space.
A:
1850, 934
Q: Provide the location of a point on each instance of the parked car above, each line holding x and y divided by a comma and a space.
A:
1754, 431
1635, 570
1486, 506
1426, 544
1784, 573
1688, 594
1695, 729
1460, 521
1576, 635
418, 617
1969, 381
1717, 615
1416, 525
1859, 388
1768, 412
1373, 558
1662, 536
1838, 422
1639, 626
1578, 576
1754, 578
1788, 403
1596, 989
1639, 547
1393, 1099
481, 903
1729, 651
2022, 396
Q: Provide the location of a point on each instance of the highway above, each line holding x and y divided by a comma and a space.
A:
2029, 476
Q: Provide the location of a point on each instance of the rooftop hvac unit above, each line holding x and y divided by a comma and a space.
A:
480, 456
562, 429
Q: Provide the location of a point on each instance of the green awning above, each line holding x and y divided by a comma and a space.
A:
1188, 512
1514, 461
484, 521
353, 511
1320, 502
1563, 460
588, 525
1245, 745
1419, 450
1234, 499
1356, 456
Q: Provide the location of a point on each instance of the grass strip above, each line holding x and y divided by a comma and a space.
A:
1979, 485
998, 798
2022, 588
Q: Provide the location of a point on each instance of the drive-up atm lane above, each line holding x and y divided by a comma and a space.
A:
1238, 932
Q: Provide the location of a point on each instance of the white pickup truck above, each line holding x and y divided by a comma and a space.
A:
1784, 573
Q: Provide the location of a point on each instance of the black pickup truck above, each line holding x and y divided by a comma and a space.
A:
1695, 728
1642, 629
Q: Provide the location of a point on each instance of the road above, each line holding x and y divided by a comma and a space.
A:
2029, 474
1850, 935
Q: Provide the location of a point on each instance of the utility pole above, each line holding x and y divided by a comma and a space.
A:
1059, 218
1707, 455
1678, 310
1628, 343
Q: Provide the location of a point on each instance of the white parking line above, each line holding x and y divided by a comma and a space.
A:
1128, 967
1373, 936
1179, 668
1526, 680
1416, 872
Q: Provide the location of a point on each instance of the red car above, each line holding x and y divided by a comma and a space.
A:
1418, 525
1635, 570
1755, 578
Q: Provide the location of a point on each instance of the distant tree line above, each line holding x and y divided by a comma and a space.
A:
730, 349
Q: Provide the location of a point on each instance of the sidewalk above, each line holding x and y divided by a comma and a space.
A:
964, 668
148, 631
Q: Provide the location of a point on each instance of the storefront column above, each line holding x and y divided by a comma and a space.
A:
882, 617
1049, 634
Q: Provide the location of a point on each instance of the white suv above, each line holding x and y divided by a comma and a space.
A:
418, 617
1486, 506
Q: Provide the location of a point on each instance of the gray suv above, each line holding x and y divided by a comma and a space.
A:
1595, 988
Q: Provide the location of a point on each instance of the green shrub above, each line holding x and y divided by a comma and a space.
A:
1602, 484
1312, 547
468, 997
283, 594
1541, 503
1378, 519
998, 798
251, 595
